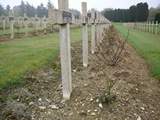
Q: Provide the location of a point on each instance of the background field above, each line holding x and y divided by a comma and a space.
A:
24, 55
147, 45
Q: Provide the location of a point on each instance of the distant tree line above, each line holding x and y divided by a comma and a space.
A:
31, 11
25, 8
135, 13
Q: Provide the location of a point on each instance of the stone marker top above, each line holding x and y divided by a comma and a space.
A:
25, 18
84, 9
63, 15
11, 18
36, 18
44, 19
63, 5
3, 17
84, 13
93, 15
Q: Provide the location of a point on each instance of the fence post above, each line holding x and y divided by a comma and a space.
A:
84, 34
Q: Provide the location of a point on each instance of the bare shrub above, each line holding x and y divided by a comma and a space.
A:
111, 48
109, 52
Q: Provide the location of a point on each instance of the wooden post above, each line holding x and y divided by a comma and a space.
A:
84, 34
65, 52
93, 32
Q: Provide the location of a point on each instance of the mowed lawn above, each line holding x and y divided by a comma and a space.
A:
7, 31
24, 55
147, 45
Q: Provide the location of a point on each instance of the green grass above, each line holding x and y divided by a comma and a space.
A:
22, 30
24, 55
146, 44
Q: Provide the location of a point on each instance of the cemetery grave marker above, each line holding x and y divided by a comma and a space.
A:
11, 20
64, 19
93, 30
4, 23
84, 34
26, 24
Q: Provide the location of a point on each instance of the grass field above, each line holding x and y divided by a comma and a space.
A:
24, 55
147, 45
7, 31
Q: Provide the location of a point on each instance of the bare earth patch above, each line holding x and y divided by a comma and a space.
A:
137, 93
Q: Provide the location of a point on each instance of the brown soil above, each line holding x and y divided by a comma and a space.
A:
137, 93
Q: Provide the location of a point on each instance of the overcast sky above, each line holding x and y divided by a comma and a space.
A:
98, 4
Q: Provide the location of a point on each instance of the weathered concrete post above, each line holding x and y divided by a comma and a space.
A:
4, 23
64, 19
156, 28
93, 32
97, 29
145, 26
45, 24
11, 20
84, 34
36, 23
152, 26
26, 24
142, 27
101, 27
149, 24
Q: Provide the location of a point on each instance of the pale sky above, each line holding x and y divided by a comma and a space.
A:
98, 4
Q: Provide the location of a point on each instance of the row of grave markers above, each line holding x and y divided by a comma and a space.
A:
23, 23
36, 23
64, 19
151, 27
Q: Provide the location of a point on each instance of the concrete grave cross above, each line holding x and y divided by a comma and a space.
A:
25, 19
36, 22
84, 13
4, 22
93, 32
11, 20
84, 34
64, 20
44, 24
156, 30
